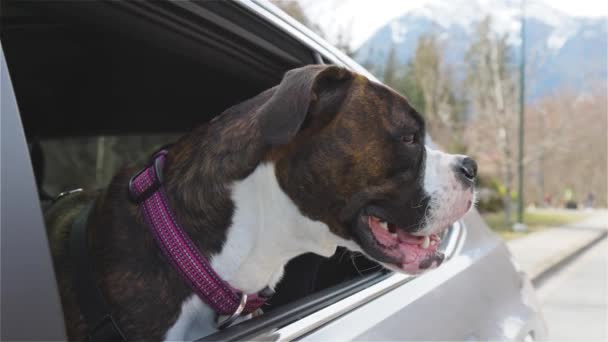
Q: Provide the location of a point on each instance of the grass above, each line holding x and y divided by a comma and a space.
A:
535, 220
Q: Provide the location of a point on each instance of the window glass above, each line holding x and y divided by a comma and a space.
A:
91, 162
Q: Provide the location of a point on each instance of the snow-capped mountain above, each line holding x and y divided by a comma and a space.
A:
562, 51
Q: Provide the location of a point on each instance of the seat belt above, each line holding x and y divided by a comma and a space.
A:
101, 325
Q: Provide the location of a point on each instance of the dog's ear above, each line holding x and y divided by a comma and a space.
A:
305, 95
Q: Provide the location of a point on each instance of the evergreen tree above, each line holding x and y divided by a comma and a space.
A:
390, 68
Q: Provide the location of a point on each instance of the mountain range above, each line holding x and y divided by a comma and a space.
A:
563, 52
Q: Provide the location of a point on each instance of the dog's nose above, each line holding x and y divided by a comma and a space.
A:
468, 168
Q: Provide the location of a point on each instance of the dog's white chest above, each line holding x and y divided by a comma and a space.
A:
267, 231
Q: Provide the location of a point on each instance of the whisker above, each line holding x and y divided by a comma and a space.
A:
352, 259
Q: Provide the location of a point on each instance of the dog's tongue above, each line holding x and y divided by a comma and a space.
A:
382, 235
387, 239
409, 238
412, 253
415, 253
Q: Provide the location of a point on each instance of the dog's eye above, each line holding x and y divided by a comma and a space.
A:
408, 138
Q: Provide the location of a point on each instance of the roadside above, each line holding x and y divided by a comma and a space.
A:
540, 251
567, 265
535, 220
574, 299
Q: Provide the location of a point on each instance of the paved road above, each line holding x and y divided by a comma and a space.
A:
575, 299
539, 251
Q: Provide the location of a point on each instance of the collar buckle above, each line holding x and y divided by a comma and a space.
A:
157, 162
225, 323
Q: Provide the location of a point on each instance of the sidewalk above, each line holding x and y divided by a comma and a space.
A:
575, 300
538, 252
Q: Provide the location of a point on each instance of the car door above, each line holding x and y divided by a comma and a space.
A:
30, 300
475, 295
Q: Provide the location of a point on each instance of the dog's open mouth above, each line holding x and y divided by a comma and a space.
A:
410, 253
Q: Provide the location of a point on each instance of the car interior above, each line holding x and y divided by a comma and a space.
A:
103, 85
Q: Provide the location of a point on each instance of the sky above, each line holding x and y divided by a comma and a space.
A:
378, 12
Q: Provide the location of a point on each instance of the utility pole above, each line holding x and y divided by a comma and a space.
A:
522, 95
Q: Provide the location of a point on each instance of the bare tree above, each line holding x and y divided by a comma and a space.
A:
344, 40
294, 10
567, 145
492, 86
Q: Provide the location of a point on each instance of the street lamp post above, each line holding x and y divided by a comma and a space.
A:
520, 155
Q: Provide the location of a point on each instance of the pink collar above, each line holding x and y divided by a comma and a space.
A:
146, 189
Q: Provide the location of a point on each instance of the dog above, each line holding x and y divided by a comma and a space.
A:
326, 158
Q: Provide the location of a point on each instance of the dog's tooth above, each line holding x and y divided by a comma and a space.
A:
425, 243
384, 224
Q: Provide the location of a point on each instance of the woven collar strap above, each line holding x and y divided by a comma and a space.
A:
146, 189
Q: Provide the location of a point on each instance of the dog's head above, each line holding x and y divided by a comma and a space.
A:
351, 153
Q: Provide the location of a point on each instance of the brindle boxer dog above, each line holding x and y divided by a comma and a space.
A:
327, 158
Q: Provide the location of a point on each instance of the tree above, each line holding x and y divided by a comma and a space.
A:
390, 68
567, 145
492, 87
344, 39
407, 84
294, 10
427, 82
443, 108
402, 79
